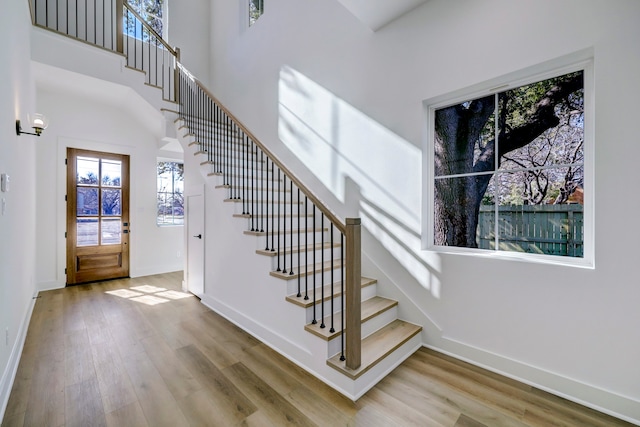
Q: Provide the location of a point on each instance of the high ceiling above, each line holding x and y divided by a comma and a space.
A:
378, 13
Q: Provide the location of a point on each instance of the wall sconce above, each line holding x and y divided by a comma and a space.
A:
38, 122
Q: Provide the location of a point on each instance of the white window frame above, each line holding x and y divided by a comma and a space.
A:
582, 60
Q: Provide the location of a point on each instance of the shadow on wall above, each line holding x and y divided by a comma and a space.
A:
373, 171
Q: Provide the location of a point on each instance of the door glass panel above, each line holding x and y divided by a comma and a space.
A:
88, 170
111, 173
87, 231
87, 201
111, 202
111, 231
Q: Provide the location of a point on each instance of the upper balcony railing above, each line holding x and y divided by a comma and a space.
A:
114, 25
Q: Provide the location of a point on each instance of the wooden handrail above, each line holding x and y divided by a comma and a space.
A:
150, 29
339, 224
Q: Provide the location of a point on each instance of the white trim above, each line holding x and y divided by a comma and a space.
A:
581, 393
9, 375
582, 60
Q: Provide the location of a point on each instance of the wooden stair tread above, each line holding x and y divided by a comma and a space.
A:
305, 303
377, 346
296, 249
369, 309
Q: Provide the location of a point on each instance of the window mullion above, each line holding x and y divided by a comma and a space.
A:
496, 187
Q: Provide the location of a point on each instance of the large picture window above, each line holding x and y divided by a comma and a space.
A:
170, 193
509, 168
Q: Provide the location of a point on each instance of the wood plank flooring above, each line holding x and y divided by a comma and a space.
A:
139, 352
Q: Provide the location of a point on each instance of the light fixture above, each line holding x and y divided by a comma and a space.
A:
37, 121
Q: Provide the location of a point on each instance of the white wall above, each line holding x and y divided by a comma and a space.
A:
83, 122
17, 231
189, 30
309, 78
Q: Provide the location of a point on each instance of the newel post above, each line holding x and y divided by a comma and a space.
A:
119, 26
352, 294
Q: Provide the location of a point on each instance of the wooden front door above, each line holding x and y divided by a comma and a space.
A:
97, 216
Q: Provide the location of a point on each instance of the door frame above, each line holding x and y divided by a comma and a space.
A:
70, 211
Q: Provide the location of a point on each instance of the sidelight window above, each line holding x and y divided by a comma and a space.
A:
170, 193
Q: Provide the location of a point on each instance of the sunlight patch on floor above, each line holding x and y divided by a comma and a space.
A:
149, 295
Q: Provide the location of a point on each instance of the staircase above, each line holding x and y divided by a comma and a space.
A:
302, 246
336, 324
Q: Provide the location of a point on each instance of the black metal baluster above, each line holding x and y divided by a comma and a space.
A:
332, 329
220, 139
135, 44
233, 167
291, 226
342, 358
284, 226
322, 325
241, 170
104, 22
209, 122
306, 244
273, 210
113, 26
247, 171
299, 247
261, 194
313, 232
225, 157
266, 200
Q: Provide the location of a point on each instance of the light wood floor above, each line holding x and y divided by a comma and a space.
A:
138, 352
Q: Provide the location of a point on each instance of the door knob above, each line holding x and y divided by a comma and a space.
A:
199, 236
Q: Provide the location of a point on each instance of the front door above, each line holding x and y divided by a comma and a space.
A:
97, 216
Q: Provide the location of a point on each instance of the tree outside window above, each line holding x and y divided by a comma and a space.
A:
256, 9
509, 169
170, 193
151, 11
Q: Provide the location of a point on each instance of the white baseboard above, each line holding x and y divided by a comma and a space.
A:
623, 407
9, 375
49, 286
160, 269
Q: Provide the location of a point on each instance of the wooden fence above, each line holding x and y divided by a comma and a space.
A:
543, 229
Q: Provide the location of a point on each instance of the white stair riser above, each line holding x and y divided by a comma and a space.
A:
262, 243
298, 259
366, 293
370, 326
